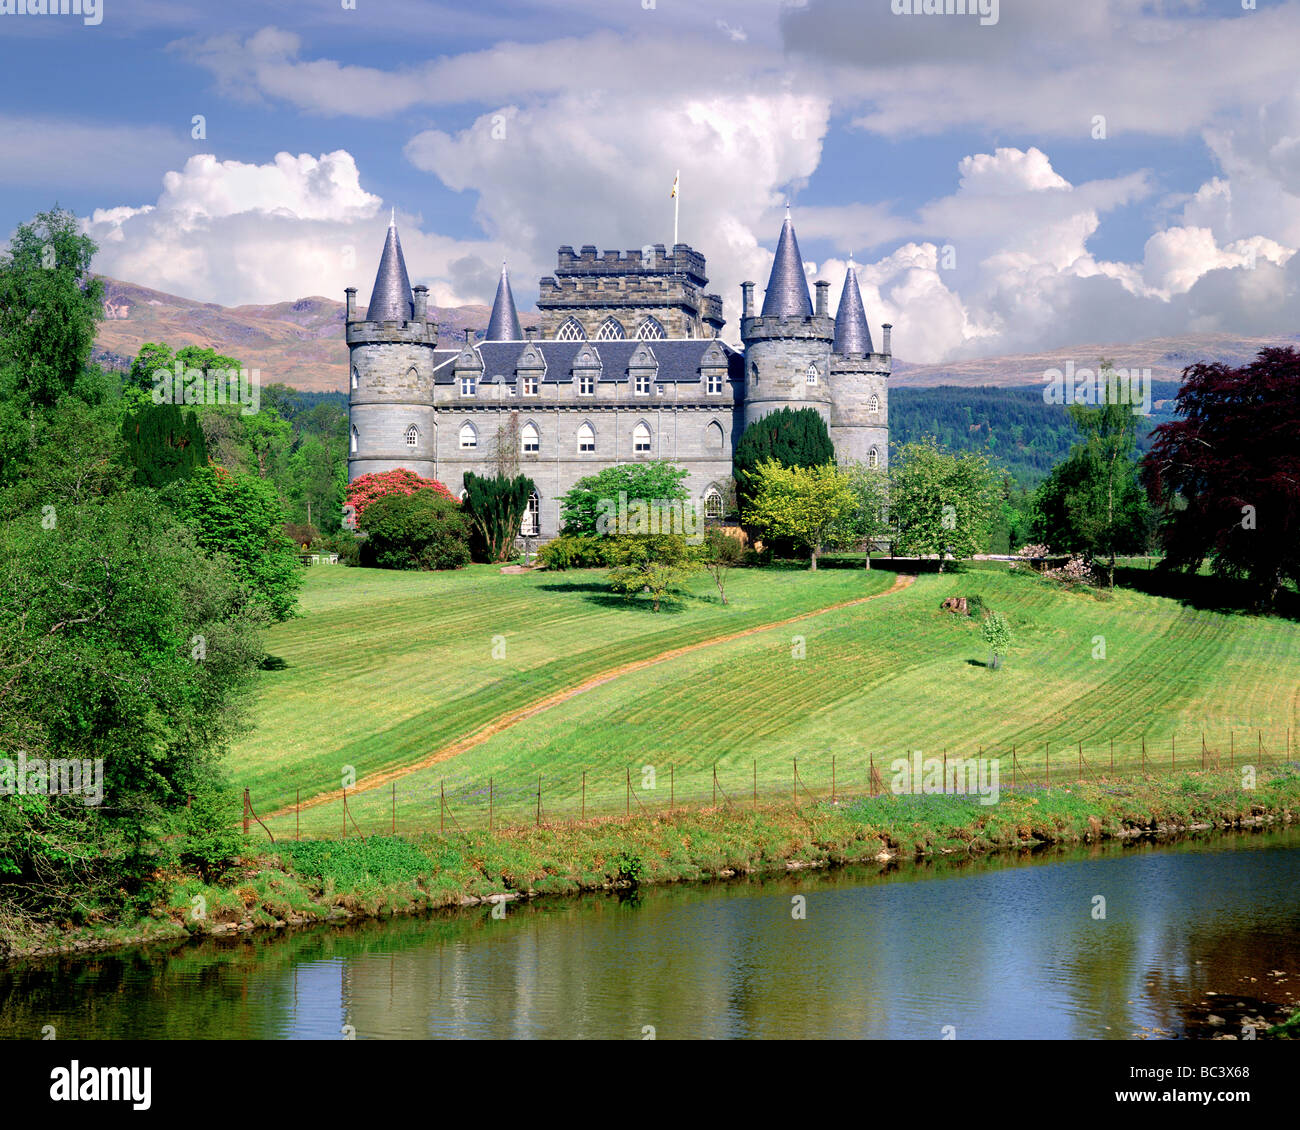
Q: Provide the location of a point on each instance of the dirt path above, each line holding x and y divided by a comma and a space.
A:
514, 717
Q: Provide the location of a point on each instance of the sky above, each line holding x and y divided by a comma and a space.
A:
1041, 174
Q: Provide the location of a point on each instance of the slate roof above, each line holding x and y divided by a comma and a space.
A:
390, 300
503, 325
852, 335
787, 289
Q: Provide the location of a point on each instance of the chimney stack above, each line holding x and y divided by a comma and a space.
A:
823, 297
421, 303
351, 292
747, 299
887, 328
530, 333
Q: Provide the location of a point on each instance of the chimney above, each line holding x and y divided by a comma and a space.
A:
421, 303
887, 327
351, 292
530, 333
823, 297
747, 300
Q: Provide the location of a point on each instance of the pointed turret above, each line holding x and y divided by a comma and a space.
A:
787, 289
503, 325
852, 336
390, 300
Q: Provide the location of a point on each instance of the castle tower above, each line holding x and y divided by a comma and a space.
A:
859, 376
787, 346
646, 293
503, 325
390, 402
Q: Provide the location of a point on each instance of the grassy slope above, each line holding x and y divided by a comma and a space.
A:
387, 667
885, 677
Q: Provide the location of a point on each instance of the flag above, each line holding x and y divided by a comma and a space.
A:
672, 194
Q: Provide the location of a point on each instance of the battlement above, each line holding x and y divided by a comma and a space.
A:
380, 333
650, 260
818, 327
862, 363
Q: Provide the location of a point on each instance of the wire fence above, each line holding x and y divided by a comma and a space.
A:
434, 800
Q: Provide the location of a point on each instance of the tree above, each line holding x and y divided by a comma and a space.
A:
869, 520
365, 489
495, 509
940, 502
997, 634
163, 443
1226, 474
806, 504
590, 498
719, 554
421, 530
1092, 502
654, 563
240, 517
791, 437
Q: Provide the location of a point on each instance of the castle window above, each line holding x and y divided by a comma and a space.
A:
412, 436
611, 330
873, 458
873, 404
586, 438
712, 503
468, 437
713, 436
587, 385
641, 440
532, 440
356, 379
714, 382
651, 329
355, 438
812, 374
529, 386
643, 384
532, 521
468, 386
570, 330
753, 372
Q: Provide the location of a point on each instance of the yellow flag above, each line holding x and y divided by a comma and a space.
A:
674, 191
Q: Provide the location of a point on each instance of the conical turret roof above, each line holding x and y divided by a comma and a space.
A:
787, 289
852, 334
390, 300
503, 325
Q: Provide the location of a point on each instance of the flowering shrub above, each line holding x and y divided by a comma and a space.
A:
1028, 554
1076, 571
364, 490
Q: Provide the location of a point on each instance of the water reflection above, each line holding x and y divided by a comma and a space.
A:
1006, 948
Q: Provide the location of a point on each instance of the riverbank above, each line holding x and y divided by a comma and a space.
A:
319, 880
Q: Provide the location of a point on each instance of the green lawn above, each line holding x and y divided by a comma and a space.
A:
385, 668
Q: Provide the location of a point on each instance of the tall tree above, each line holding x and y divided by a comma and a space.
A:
1226, 474
790, 437
868, 522
940, 503
809, 505
163, 443
495, 509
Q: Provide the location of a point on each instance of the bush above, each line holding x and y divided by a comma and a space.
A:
343, 542
576, 552
415, 531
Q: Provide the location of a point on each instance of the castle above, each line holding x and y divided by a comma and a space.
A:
627, 365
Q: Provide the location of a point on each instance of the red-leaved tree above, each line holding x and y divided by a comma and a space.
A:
1226, 473
364, 490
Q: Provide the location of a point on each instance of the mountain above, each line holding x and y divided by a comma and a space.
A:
301, 344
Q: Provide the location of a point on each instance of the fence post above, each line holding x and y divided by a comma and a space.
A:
1232, 751
489, 806
1081, 761
756, 784
297, 809
584, 794
1202, 749
715, 784
394, 808
832, 778
871, 780
1144, 753
345, 812
1112, 755
945, 769
627, 796
672, 789
1048, 782
1015, 768
1173, 753
1261, 746
247, 806
795, 785
539, 800
442, 806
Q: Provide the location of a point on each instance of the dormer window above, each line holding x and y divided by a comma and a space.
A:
714, 383
586, 385
529, 386
642, 384
468, 386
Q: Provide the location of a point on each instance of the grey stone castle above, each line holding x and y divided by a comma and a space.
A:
627, 365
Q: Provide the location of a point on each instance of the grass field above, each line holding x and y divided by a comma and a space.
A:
385, 669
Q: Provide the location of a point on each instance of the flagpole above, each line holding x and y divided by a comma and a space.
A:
677, 203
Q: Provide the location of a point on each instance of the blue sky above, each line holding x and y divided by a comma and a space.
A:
966, 166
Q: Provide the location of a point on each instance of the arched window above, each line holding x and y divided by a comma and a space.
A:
753, 372
412, 436
651, 328
712, 503
611, 330
641, 439
468, 437
356, 379
570, 330
873, 458
713, 436
586, 438
355, 438
812, 374
531, 439
873, 405
532, 521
